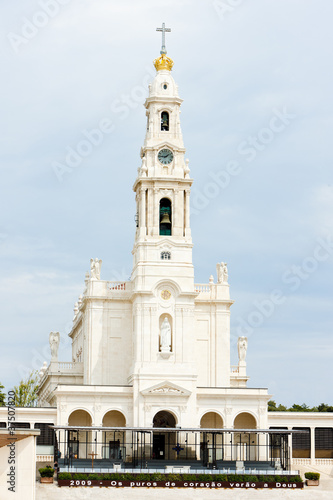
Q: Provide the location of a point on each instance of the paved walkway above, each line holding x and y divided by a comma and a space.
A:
52, 492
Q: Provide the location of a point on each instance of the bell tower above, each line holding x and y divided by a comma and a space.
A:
163, 244
162, 281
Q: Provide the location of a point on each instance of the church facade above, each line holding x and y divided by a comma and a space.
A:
150, 376
156, 346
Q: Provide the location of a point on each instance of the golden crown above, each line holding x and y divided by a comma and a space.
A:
163, 62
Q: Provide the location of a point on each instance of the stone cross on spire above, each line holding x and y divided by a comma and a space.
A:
163, 30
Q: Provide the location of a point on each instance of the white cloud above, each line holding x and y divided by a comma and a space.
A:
231, 73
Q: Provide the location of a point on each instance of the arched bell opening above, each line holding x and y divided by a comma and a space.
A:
165, 217
165, 121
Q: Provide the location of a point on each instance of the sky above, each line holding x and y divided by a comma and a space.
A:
257, 117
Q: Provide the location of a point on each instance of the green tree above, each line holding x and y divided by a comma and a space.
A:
325, 407
271, 405
281, 408
302, 407
26, 392
2, 396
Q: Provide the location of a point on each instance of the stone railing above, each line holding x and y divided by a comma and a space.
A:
45, 458
117, 286
212, 291
66, 365
301, 461
316, 461
234, 369
202, 288
69, 366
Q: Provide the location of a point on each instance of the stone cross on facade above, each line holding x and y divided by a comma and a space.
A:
163, 30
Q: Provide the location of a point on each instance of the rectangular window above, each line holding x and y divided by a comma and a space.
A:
46, 434
324, 442
301, 443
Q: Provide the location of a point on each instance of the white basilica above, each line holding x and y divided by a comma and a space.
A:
150, 375
159, 342
150, 380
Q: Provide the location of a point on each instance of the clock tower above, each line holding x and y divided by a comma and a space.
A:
163, 275
163, 236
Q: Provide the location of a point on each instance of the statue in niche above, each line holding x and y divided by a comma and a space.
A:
54, 339
95, 269
222, 272
165, 336
242, 348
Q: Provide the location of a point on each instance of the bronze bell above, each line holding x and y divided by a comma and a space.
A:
165, 219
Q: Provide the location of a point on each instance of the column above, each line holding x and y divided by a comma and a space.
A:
313, 446
290, 444
176, 215
262, 442
142, 220
156, 213
137, 332
187, 213
150, 212
228, 439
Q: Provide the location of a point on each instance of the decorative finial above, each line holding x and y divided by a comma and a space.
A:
163, 62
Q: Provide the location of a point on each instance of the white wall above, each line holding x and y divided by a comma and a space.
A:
25, 470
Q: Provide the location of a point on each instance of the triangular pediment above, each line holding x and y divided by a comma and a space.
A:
170, 145
166, 389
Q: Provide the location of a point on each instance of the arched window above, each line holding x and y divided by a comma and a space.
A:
165, 217
166, 255
165, 121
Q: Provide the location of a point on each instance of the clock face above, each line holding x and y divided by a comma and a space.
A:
165, 156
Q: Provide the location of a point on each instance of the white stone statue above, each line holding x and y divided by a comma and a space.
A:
222, 272
144, 168
165, 336
95, 269
187, 169
43, 370
242, 348
225, 273
54, 339
86, 281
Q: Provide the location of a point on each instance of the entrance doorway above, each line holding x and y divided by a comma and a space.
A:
159, 447
73, 445
114, 450
164, 443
